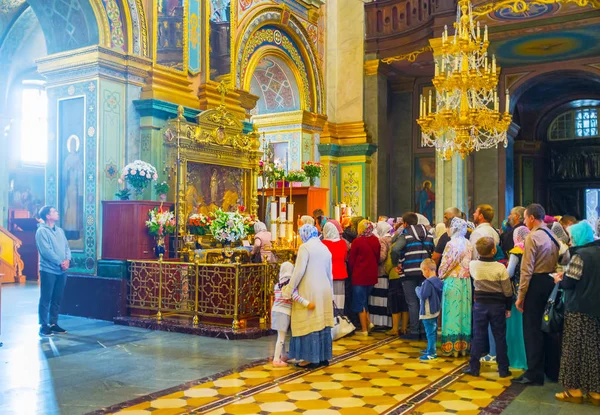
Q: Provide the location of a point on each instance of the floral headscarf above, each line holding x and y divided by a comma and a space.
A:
355, 221
458, 228
382, 229
307, 220
346, 222
308, 232
519, 236
559, 232
330, 232
365, 228
581, 233
259, 227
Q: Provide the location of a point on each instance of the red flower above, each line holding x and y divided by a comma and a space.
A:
242, 209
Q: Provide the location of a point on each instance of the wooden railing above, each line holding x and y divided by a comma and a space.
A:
11, 265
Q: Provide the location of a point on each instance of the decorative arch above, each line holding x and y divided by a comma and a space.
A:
275, 79
135, 17
264, 31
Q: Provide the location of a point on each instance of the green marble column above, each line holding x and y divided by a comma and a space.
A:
450, 185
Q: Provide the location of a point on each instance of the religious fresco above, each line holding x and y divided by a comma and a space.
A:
425, 187
210, 187
220, 38
275, 84
70, 170
170, 42
548, 46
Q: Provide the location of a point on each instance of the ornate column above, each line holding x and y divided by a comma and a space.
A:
450, 185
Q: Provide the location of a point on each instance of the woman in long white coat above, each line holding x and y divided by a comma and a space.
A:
311, 343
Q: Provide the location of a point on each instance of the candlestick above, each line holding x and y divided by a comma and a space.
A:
507, 105
336, 210
273, 231
282, 229
421, 106
494, 64
282, 209
290, 212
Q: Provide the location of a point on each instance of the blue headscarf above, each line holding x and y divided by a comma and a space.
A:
581, 233
307, 232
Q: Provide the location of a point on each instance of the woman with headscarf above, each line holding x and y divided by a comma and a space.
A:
364, 265
307, 220
339, 254
440, 229
262, 243
456, 297
311, 343
348, 234
580, 360
514, 324
563, 240
378, 301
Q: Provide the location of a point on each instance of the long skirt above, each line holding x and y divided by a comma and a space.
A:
580, 361
314, 347
378, 303
514, 338
456, 316
339, 294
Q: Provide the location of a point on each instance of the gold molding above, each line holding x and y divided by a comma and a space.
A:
410, 57
96, 56
169, 85
521, 6
210, 97
102, 21
344, 133
301, 118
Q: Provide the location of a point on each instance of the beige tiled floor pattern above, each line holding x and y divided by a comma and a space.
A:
375, 381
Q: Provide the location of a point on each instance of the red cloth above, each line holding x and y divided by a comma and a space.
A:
339, 252
364, 260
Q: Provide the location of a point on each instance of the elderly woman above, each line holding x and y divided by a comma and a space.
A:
307, 220
311, 343
262, 243
339, 254
580, 361
514, 324
456, 298
378, 301
364, 265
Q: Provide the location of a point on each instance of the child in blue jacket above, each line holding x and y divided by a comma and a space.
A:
430, 295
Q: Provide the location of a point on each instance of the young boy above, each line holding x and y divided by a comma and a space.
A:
493, 300
430, 294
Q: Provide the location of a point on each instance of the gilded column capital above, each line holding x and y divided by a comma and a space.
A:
376, 67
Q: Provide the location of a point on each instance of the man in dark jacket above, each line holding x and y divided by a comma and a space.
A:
55, 258
410, 249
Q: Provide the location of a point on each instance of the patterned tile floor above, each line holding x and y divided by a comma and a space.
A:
375, 375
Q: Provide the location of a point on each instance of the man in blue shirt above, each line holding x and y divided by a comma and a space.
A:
55, 258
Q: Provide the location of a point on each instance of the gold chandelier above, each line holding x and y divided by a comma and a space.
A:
466, 116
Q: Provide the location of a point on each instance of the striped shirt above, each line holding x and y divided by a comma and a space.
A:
491, 282
419, 246
284, 305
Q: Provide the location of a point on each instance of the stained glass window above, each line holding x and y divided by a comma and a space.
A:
586, 122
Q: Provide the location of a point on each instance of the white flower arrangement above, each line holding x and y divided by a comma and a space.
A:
138, 174
227, 226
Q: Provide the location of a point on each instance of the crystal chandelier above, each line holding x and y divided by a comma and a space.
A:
466, 116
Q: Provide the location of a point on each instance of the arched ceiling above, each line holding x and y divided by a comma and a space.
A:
9, 11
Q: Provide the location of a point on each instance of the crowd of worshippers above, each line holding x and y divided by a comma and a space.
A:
486, 288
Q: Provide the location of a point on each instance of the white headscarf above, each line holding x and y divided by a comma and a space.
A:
423, 220
259, 227
330, 232
457, 232
382, 229
285, 272
440, 229
307, 220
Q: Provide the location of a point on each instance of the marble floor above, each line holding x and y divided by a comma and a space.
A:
100, 368
98, 364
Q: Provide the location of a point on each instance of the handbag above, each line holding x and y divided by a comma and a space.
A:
342, 324
554, 313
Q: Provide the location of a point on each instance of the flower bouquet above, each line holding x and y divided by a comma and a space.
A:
138, 175
312, 169
227, 227
160, 223
296, 176
161, 190
249, 222
199, 224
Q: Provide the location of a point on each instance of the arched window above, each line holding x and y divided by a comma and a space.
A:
395, 18
575, 124
34, 123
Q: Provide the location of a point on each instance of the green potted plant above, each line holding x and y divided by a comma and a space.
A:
312, 169
161, 190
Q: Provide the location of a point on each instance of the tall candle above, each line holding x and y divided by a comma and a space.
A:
337, 213
507, 107
290, 212
282, 230
429, 104
282, 209
349, 211
273, 231
421, 106
494, 64
273, 211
